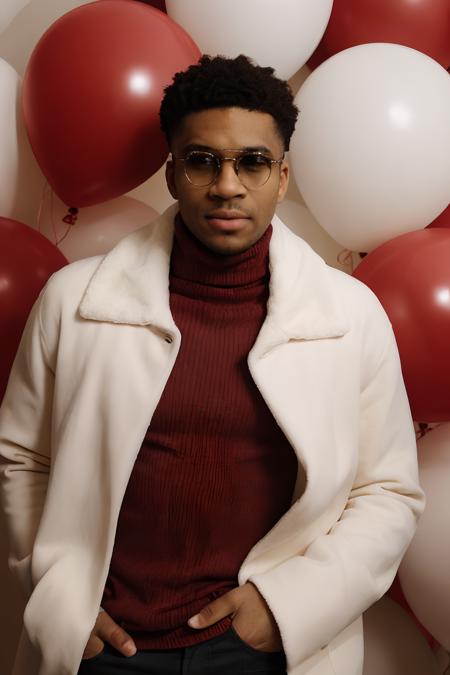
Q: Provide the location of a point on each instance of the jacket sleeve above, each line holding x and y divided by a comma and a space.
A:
315, 595
25, 431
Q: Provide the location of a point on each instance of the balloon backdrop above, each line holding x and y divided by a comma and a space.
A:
392, 643
27, 259
8, 10
91, 97
96, 229
422, 24
282, 36
411, 277
425, 570
395, 593
158, 4
21, 181
443, 219
296, 81
371, 151
21, 35
154, 192
302, 222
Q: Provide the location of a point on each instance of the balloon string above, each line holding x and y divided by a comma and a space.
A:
423, 429
70, 218
41, 207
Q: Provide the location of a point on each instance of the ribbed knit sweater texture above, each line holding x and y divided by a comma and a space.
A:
215, 472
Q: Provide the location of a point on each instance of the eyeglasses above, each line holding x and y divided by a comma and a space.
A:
202, 167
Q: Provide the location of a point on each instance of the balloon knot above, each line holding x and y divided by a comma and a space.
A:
71, 217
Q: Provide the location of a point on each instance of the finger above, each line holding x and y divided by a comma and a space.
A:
215, 610
93, 647
107, 629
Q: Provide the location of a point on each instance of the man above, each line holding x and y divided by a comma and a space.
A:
206, 433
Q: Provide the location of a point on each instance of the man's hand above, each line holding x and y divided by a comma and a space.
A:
252, 618
107, 630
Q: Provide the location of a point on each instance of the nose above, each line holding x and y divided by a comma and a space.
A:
227, 184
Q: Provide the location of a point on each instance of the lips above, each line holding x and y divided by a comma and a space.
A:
226, 214
224, 220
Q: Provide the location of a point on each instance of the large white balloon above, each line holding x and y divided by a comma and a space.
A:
278, 33
393, 645
154, 191
8, 10
21, 180
425, 570
25, 28
371, 151
301, 221
97, 228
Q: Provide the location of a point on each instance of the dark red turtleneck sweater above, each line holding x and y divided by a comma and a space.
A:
214, 472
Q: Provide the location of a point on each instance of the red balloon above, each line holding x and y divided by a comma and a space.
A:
27, 260
443, 220
159, 4
423, 25
411, 277
318, 56
91, 97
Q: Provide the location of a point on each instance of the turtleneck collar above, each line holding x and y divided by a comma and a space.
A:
192, 261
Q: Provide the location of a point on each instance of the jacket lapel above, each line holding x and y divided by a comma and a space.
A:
131, 285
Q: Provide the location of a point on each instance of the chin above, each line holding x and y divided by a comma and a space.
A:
230, 247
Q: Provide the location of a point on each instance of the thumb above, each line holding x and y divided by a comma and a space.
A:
110, 631
214, 611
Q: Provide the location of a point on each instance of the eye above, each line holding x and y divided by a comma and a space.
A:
201, 160
254, 162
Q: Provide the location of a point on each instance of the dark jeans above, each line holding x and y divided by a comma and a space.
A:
225, 654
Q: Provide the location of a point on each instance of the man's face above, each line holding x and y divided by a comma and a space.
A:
226, 216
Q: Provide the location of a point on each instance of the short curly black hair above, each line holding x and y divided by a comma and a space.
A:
220, 82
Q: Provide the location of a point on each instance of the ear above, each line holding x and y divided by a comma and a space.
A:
284, 181
170, 178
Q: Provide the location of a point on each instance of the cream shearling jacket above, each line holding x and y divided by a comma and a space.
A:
95, 355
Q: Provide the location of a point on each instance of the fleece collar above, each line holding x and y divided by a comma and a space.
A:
131, 285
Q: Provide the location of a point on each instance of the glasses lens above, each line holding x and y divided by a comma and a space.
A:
201, 168
254, 169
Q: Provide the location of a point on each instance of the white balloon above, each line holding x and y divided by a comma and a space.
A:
371, 151
21, 180
301, 221
393, 644
21, 35
8, 10
425, 570
97, 228
154, 191
278, 33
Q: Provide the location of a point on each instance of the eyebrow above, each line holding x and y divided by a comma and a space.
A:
248, 148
